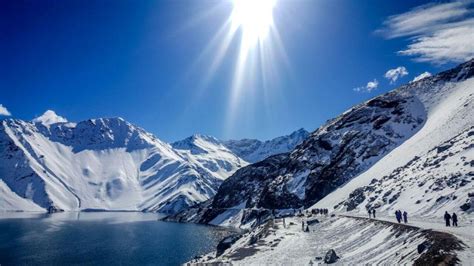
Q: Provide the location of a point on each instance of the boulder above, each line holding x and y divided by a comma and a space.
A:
331, 257
423, 246
54, 209
226, 243
465, 206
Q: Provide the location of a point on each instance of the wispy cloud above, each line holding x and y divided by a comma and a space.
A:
422, 76
4, 111
371, 85
438, 33
394, 74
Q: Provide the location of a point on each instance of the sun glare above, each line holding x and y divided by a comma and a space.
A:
254, 18
259, 57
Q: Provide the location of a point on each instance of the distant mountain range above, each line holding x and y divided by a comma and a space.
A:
110, 164
411, 148
253, 150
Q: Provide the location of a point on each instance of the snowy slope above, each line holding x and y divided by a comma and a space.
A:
210, 154
356, 241
103, 164
10, 201
433, 171
253, 150
48, 118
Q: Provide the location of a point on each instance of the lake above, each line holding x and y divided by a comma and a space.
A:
105, 238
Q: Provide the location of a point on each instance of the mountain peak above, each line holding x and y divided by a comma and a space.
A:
300, 131
49, 117
195, 142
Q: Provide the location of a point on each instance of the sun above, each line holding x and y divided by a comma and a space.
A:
254, 18
250, 39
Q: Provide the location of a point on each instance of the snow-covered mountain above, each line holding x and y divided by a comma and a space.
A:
49, 117
110, 164
409, 149
433, 171
253, 150
103, 164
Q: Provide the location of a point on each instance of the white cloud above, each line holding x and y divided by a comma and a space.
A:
49, 117
438, 33
422, 76
455, 44
4, 111
371, 85
396, 73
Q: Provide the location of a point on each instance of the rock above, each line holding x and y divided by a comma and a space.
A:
355, 198
441, 149
253, 240
54, 209
226, 243
330, 257
465, 206
313, 221
423, 246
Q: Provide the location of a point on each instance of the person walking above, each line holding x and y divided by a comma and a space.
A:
455, 219
447, 218
373, 213
302, 226
405, 217
397, 216
370, 212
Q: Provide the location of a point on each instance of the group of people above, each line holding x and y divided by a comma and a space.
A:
320, 211
448, 218
401, 216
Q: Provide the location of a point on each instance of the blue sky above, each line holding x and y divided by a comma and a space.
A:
146, 61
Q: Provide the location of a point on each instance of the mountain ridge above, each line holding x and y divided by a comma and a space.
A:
106, 163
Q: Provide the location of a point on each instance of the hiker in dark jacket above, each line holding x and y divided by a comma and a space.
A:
447, 218
405, 217
370, 212
373, 213
397, 215
455, 219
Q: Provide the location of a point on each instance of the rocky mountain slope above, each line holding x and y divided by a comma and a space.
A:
107, 164
433, 171
253, 150
352, 161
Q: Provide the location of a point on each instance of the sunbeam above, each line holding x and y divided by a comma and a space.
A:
258, 55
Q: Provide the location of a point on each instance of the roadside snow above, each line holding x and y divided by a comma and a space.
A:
355, 242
